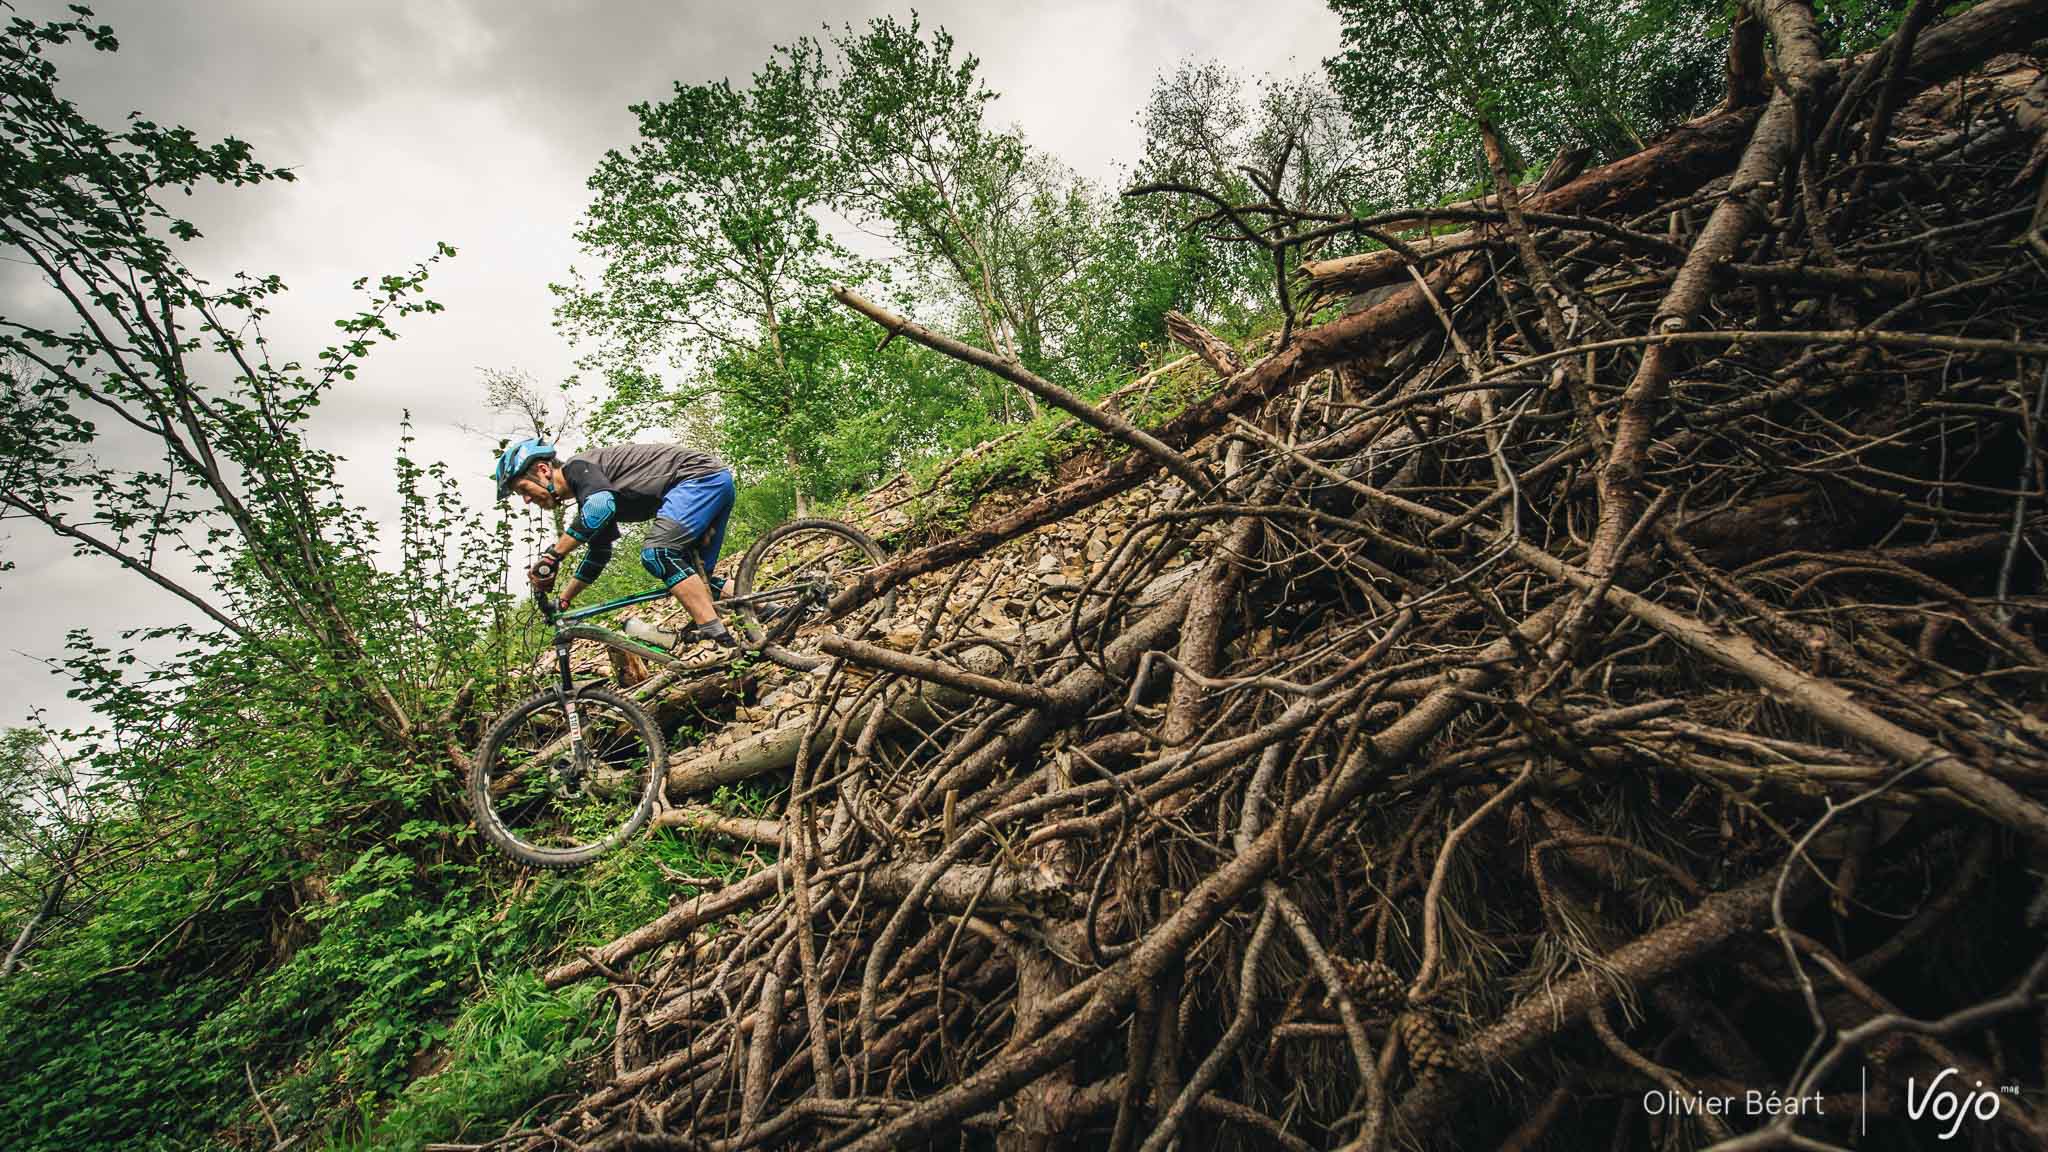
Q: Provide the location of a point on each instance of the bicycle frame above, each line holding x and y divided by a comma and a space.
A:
663, 594
570, 625
612, 605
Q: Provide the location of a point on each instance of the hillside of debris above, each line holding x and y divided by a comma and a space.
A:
1592, 655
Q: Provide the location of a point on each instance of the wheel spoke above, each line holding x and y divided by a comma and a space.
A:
543, 796
803, 565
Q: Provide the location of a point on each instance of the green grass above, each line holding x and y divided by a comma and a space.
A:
513, 1046
949, 485
513, 1043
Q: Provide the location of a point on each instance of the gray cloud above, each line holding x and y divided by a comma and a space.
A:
476, 122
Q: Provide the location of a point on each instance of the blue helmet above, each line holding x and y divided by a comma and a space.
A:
515, 460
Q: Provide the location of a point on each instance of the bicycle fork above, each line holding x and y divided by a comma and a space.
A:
565, 688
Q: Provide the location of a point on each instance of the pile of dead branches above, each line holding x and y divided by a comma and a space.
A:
1600, 668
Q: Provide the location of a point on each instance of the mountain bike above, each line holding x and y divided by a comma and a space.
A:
573, 771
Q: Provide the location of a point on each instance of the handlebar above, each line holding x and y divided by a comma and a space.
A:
546, 604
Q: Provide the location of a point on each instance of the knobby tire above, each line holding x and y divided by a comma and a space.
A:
501, 836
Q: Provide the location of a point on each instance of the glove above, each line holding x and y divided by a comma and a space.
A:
543, 572
562, 602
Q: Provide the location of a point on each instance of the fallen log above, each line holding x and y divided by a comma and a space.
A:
1101, 419
1220, 357
1824, 700
933, 672
671, 925
1678, 163
957, 889
1363, 335
774, 749
750, 829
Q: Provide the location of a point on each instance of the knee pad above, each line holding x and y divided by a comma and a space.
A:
671, 566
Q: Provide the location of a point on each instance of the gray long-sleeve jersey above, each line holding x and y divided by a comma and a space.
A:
625, 482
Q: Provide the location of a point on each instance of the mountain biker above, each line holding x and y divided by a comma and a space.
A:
688, 495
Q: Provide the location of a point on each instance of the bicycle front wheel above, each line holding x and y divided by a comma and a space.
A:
792, 573
559, 783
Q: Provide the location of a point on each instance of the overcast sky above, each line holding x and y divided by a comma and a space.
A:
476, 122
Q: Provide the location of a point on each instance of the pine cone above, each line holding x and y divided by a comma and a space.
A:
1373, 985
1429, 1050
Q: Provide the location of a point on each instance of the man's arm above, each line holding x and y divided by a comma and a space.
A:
595, 524
594, 560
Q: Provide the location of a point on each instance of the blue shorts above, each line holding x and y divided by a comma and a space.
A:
693, 512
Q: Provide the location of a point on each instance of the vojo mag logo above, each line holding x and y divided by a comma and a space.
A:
1946, 1102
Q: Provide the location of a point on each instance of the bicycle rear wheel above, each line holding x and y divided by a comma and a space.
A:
549, 800
802, 565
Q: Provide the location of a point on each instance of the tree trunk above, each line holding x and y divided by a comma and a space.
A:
1745, 74
44, 911
796, 476
773, 323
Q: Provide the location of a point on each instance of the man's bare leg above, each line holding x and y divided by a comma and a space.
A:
695, 598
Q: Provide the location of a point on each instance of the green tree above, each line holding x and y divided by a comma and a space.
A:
716, 263
907, 125
1544, 73
1003, 239
1096, 279
47, 812
708, 232
271, 877
1280, 152
831, 410
181, 364
1289, 138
